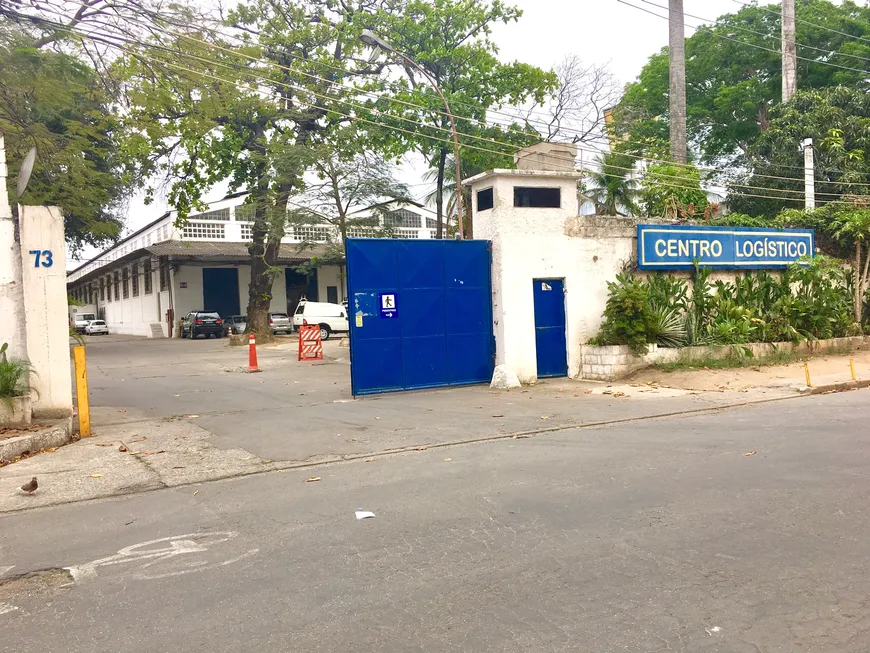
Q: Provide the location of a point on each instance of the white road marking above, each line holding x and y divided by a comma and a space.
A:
175, 546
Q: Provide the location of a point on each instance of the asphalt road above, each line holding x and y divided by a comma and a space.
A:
659, 535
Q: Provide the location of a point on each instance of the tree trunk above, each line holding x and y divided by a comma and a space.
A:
789, 51
677, 57
264, 252
439, 194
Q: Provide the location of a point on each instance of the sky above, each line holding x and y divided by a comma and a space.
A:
598, 31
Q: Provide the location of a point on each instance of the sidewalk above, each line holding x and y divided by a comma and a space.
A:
824, 370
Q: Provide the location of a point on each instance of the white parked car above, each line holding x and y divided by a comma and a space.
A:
96, 327
332, 318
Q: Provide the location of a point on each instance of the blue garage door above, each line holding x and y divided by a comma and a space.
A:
420, 313
220, 291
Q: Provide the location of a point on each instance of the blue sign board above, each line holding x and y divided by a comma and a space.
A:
388, 304
672, 247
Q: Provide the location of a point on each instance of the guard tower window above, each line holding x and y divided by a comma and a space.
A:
484, 199
544, 198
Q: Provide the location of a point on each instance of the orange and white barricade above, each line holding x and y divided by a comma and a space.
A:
310, 344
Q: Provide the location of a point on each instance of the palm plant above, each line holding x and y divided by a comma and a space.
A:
613, 190
468, 170
14, 376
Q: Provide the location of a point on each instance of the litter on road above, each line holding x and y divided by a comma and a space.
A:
364, 514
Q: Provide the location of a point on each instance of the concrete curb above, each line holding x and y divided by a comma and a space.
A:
836, 387
53, 436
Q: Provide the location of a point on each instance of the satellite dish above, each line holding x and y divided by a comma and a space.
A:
26, 169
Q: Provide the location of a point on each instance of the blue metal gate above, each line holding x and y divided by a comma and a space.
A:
550, 344
420, 314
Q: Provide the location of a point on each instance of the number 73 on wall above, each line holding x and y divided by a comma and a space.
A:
42, 257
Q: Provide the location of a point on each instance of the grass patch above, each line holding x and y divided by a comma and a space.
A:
740, 357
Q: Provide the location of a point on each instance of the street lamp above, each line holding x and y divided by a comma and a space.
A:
371, 39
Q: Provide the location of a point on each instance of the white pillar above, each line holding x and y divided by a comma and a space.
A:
11, 293
43, 252
809, 175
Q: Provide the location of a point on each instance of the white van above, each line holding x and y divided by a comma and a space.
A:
81, 320
332, 318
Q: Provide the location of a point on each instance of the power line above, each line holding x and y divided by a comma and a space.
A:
753, 45
389, 116
372, 94
806, 22
762, 34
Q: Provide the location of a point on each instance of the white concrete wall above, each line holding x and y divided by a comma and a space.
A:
331, 275
45, 309
134, 315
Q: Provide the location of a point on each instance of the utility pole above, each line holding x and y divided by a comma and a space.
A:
809, 174
789, 51
677, 57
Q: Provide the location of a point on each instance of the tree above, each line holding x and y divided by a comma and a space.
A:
253, 115
613, 189
734, 76
836, 118
449, 188
346, 183
672, 191
577, 109
55, 102
450, 40
845, 231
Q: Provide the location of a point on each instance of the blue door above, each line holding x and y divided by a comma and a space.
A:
550, 327
420, 313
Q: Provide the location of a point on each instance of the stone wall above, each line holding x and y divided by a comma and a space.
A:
600, 363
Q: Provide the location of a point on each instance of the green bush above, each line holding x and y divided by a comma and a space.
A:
808, 301
627, 315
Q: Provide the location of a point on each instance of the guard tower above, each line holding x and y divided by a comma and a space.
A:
527, 214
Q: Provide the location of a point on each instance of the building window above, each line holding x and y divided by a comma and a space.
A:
485, 200
203, 230
125, 277
164, 273
402, 218
135, 280
309, 233
146, 271
540, 198
90, 294
102, 289
117, 286
245, 213
247, 232
217, 214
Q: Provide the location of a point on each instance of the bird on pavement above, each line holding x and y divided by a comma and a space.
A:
30, 487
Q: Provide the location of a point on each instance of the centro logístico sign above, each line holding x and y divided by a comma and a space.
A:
678, 247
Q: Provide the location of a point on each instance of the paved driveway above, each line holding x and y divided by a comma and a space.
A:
303, 411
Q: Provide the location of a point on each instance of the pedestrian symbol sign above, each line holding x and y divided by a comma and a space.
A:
389, 309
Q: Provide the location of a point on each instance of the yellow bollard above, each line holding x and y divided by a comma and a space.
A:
852, 367
82, 391
807, 372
